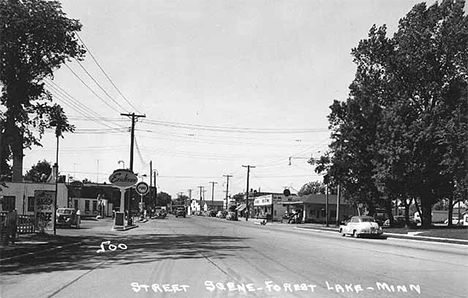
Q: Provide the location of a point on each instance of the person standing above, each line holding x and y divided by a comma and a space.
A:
11, 225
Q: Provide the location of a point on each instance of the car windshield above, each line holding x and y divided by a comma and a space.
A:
64, 211
367, 219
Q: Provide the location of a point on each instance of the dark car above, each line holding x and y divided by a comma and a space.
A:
67, 217
180, 211
399, 221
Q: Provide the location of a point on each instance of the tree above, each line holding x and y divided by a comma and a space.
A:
238, 198
181, 200
37, 38
163, 199
39, 172
402, 133
313, 187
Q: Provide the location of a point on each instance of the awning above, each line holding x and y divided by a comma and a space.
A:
241, 207
292, 203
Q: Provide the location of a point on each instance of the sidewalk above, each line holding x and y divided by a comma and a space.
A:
30, 244
335, 229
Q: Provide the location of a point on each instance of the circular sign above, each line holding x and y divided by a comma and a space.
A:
123, 178
142, 188
286, 192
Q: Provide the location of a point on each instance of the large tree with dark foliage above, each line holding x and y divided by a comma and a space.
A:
36, 38
39, 172
402, 133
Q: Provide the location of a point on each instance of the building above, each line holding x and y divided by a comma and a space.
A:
94, 199
312, 208
24, 196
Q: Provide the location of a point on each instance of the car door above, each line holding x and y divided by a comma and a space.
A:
352, 224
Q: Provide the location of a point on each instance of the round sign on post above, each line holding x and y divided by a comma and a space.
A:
142, 188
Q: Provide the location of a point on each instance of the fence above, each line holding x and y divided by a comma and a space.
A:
26, 223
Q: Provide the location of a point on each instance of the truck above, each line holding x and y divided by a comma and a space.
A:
180, 211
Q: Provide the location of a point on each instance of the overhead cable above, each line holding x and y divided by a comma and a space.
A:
105, 74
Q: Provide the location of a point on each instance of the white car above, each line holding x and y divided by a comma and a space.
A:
455, 221
358, 226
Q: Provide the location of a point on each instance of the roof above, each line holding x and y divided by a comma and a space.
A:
321, 199
241, 207
214, 203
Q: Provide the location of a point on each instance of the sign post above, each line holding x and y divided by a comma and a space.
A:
142, 188
123, 179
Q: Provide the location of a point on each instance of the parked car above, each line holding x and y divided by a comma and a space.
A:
358, 226
67, 217
231, 215
221, 214
455, 221
210, 213
399, 221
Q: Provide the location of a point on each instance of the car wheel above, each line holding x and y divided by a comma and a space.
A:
342, 234
355, 234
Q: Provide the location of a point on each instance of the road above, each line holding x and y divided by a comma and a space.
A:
210, 257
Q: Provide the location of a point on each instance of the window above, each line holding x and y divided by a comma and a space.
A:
86, 205
333, 213
8, 203
76, 204
94, 205
30, 204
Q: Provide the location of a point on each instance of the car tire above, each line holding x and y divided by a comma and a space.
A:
355, 234
342, 234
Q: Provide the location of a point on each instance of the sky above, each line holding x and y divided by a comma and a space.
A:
221, 85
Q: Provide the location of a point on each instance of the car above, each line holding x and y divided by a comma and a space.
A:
221, 214
399, 221
180, 211
231, 215
67, 217
455, 221
358, 226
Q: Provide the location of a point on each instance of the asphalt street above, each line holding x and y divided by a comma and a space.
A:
210, 257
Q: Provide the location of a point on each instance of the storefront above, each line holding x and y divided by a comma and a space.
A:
314, 207
263, 207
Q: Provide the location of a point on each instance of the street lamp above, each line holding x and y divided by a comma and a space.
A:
123, 163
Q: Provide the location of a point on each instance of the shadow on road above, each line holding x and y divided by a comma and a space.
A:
133, 249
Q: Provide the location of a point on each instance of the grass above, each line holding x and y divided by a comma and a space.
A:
435, 231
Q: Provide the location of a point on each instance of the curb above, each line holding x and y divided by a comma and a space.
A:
400, 236
124, 228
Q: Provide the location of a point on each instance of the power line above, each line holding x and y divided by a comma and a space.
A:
105, 74
74, 103
234, 129
99, 85
90, 89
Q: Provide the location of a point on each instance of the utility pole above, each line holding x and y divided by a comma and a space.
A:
247, 190
132, 134
151, 182
155, 188
212, 194
134, 118
201, 197
227, 188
